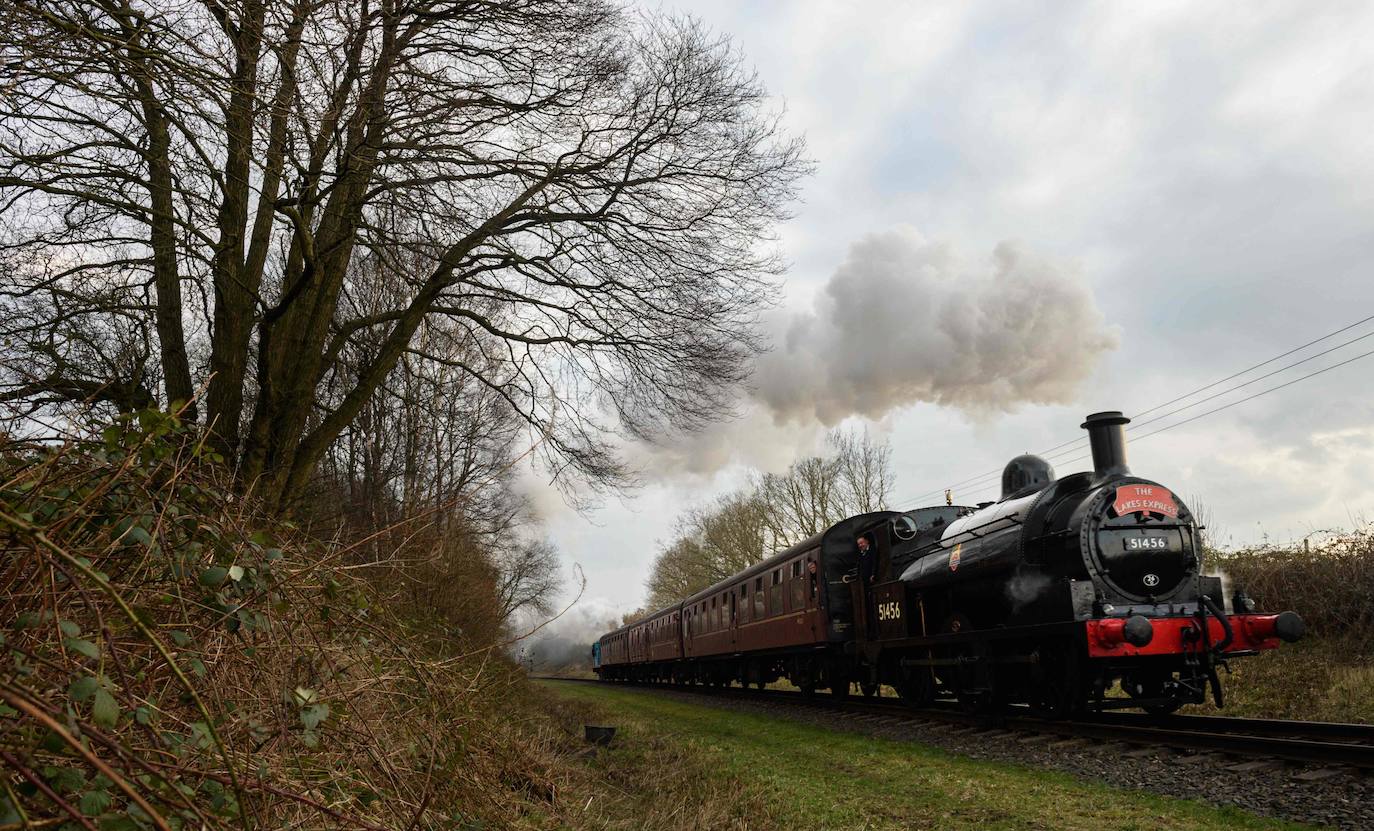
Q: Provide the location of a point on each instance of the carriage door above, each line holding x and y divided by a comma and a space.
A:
734, 610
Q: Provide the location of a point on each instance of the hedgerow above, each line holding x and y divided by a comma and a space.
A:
1330, 584
174, 658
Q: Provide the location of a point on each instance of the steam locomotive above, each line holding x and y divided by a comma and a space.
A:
1051, 596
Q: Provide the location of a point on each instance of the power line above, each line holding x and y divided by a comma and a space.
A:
985, 478
1229, 390
1258, 365
1257, 395
1229, 405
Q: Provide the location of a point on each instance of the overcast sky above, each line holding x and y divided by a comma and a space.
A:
1195, 180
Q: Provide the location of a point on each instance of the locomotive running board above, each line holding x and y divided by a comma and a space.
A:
965, 660
1073, 628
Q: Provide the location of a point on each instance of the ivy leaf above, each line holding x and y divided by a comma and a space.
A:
83, 688
236, 573
198, 667
104, 709
214, 576
69, 628
179, 637
305, 696
84, 647
138, 534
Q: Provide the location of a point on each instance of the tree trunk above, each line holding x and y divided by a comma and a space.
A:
236, 288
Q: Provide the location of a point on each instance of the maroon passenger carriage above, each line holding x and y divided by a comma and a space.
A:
1051, 596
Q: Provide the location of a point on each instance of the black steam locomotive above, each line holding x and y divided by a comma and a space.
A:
1048, 596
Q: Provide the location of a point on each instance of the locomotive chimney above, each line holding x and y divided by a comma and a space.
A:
1108, 438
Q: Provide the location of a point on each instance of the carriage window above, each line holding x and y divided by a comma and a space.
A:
758, 598
775, 595
796, 569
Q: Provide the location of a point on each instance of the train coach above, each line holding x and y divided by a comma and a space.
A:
1084, 592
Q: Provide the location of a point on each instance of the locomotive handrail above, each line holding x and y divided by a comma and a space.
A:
973, 532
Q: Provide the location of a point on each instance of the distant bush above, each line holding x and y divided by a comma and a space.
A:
1331, 583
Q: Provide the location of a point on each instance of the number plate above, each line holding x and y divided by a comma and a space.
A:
1132, 543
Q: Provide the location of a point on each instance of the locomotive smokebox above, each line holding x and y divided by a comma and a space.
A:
1107, 435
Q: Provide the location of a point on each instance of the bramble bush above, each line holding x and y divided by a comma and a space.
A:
1329, 675
1331, 584
175, 658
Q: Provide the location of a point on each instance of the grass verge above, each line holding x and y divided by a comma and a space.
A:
760, 772
1320, 679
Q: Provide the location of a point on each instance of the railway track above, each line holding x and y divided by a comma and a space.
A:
1327, 747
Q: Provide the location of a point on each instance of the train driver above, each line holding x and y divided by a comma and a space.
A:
866, 559
814, 579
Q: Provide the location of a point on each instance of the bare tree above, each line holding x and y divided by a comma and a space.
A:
803, 501
577, 193
779, 510
527, 577
864, 469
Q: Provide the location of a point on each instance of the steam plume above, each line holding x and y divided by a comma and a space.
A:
905, 320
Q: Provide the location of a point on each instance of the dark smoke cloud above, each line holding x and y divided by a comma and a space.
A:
566, 643
905, 321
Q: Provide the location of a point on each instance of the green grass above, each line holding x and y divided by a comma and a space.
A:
813, 777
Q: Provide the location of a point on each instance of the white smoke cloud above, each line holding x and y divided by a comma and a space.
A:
905, 320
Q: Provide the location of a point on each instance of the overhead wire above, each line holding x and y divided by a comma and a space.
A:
1072, 445
1231, 404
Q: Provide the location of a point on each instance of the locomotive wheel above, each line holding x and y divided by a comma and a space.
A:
1058, 677
917, 687
840, 689
808, 690
868, 688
